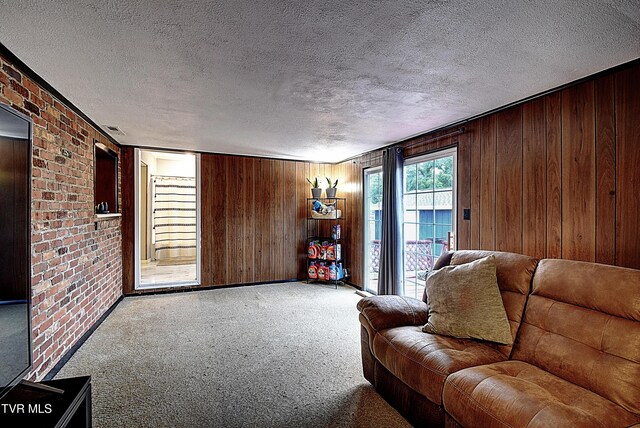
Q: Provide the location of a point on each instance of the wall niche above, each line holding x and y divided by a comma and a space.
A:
106, 180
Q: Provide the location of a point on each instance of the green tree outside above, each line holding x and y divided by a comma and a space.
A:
430, 175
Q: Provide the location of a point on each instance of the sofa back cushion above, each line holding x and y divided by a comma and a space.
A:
582, 324
514, 273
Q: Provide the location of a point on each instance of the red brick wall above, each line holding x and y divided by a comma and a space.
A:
76, 261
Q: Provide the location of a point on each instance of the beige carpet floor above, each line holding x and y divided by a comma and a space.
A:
278, 355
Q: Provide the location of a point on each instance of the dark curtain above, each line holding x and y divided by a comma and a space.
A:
391, 256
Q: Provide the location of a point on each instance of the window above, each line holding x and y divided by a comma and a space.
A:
372, 227
429, 210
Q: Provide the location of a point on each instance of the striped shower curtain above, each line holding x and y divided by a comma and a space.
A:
174, 217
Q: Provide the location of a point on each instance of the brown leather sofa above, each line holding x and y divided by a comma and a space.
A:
575, 360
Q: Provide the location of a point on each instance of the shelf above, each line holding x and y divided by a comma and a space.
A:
100, 221
332, 281
327, 199
318, 225
105, 176
107, 216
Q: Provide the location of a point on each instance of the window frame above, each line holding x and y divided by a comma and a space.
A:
366, 172
432, 156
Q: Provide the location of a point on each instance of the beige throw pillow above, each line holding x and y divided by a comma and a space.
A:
465, 302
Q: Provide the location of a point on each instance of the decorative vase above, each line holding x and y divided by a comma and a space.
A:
331, 192
316, 192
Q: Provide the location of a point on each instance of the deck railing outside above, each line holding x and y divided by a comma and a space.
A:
419, 259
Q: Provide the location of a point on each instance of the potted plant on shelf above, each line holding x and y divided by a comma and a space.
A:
316, 191
332, 189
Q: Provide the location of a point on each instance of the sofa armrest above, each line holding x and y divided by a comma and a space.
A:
383, 312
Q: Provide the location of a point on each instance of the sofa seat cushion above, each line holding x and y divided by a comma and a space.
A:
518, 394
423, 361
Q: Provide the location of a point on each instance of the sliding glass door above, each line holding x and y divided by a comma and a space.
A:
372, 227
429, 211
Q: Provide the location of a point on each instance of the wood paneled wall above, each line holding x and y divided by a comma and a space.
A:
248, 220
349, 175
556, 177
253, 219
254, 211
128, 219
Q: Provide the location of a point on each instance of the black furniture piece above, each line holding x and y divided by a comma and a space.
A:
15, 247
31, 405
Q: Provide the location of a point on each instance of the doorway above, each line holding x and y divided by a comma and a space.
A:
167, 219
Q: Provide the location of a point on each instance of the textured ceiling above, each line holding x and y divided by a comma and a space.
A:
318, 80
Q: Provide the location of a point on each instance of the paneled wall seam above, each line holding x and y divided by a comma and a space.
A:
597, 164
615, 178
522, 169
561, 165
546, 176
495, 184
